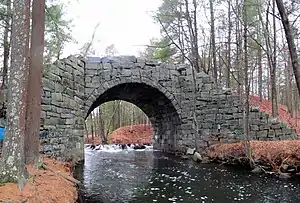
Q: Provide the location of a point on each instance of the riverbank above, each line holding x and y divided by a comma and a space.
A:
92, 140
139, 133
44, 185
155, 176
279, 157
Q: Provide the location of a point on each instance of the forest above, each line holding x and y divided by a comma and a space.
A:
241, 44
247, 46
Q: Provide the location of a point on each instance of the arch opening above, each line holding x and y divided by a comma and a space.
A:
157, 106
118, 122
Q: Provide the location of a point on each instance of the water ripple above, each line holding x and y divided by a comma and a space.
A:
152, 176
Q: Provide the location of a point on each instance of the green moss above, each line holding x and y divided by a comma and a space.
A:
283, 124
41, 165
239, 132
2, 184
5, 179
265, 115
254, 109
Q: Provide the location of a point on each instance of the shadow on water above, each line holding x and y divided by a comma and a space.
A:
142, 177
82, 198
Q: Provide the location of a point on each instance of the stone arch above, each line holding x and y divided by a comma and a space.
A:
144, 80
74, 86
152, 98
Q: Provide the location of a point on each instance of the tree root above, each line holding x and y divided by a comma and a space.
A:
283, 162
73, 180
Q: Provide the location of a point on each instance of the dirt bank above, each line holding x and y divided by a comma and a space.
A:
43, 186
273, 156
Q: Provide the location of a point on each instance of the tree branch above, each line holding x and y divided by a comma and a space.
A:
178, 47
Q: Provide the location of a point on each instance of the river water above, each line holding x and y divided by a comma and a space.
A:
151, 176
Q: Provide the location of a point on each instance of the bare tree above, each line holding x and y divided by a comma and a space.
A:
213, 41
246, 86
92, 126
88, 46
101, 126
273, 65
228, 69
290, 41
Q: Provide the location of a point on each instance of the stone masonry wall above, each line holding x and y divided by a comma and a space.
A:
221, 118
151, 86
73, 87
62, 109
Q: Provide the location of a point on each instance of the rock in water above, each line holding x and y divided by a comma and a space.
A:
184, 157
284, 176
197, 157
284, 168
257, 170
190, 151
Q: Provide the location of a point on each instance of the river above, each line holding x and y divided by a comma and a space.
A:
151, 176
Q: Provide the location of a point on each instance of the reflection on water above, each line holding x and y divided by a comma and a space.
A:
152, 176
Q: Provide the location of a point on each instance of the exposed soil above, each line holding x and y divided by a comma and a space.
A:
132, 134
43, 186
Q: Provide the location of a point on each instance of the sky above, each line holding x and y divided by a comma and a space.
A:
125, 23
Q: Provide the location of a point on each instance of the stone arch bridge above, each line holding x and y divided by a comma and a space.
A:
74, 86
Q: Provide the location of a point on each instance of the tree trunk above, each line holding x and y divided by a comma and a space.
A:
132, 116
228, 69
220, 64
13, 159
181, 31
289, 87
6, 50
195, 39
95, 124
33, 112
238, 50
101, 126
273, 68
110, 123
260, 87
114, 115
120, 114
213, 41
86, 131
246, 104
92, 126
290, 41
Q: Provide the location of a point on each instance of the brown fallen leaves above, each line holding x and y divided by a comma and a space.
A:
283, 113
43, 186
139, 133
132, 134
272, 153
90, 140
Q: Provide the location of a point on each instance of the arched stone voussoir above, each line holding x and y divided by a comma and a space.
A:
106, 85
